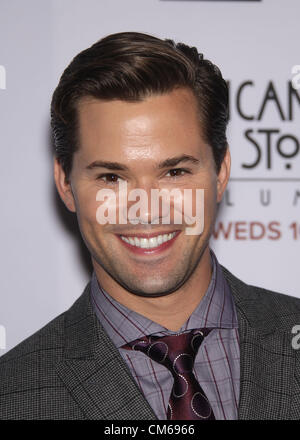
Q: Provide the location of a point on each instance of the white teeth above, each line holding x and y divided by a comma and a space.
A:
152, 242
146, 243
131, 241
125, 239
143, 242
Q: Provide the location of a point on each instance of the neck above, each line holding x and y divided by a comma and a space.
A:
170, 311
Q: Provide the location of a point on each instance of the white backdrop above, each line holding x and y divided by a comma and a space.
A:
256, 44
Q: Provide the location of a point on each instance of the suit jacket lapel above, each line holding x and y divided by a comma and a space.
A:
266, 356
94, 372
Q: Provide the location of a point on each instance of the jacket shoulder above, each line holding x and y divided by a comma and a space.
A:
262, 307
46, 338
29, 385
21, 369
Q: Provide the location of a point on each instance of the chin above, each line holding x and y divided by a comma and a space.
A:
151, 290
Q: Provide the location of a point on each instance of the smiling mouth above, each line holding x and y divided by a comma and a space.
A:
149, 243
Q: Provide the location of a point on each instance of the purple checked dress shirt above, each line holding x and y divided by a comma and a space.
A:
217, 363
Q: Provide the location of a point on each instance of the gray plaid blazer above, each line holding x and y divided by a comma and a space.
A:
70, 369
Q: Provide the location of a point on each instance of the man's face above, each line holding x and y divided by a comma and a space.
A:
140, 137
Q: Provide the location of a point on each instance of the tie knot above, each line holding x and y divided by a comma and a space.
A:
176, 352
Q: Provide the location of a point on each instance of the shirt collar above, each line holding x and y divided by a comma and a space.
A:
216, 309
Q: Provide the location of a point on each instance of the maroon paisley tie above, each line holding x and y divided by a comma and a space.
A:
177, 352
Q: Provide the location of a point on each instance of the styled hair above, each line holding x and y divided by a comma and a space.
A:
132, 66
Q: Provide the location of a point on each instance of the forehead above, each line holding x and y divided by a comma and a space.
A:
148, 127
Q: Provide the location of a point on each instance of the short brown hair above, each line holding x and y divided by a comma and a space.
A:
131, 66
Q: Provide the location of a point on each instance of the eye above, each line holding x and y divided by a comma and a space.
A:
109, 178
177, 172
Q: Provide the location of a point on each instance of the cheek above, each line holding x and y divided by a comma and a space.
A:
210, 195
209, 205
86, 205
203, 197
210, 202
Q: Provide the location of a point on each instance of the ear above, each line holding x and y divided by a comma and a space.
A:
63, 186
223, 175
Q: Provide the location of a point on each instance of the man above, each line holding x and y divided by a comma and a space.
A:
162, 331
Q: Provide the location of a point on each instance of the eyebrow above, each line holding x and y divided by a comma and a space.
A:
169, 162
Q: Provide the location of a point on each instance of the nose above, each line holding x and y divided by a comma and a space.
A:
140, 209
